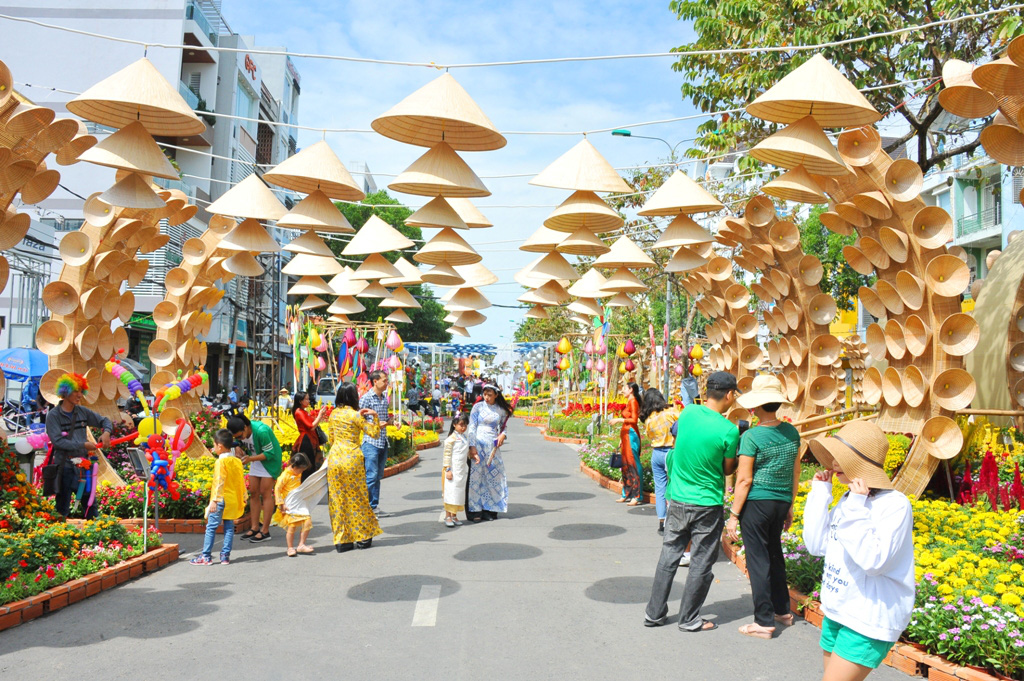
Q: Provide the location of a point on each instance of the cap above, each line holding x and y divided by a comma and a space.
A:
721, 380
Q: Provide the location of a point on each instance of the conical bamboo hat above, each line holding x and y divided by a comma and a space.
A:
916, 335
683, 231
948, 275
1001, 77
684, 260
835, 223
784, 236
6, 87
312, 302
346, 305
582, 242
825, 349
377, 236
904, 179
462, 332
590, 285
795, 185
586, 306
316, 168
624, 281
375, 266
447, 247
469, 213
873, 204
553, 266
582, 168
537, 312
953, 389
86, 342
467, 299
344, 285
402, 298
132, 192
959, 334
399, 316
624, 253
895, 340
856, 259
584, 210
303, 264
476, 275
759, 211
889, 297
316, 212
762, 292
60, 297
550, 293
309, 244
620, 300
858, 147
802, 143
131, 148
436, 213
821, 309
896, 243
410, 276
680, 195
874, 252
76, 248
251, 236
374, 289
817, 89
53, 337
140, 93
892, 387
443, 274
1003, 140
544, 240
14, 175
852, 215
440, 172
243, 264
915, 386
960, 95
439, 111
70, 152
340, 318
781, 281
911, 289
932, 227
250, 198
310, 285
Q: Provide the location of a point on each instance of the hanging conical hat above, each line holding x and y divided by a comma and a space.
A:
243, 264
250, 198
70, 152
904, 179
916, 336
624, 281
132, 192
399, 316
138, 93
436, 213
375, 266
346, 305
476, 275
683, 231
858, 147
13, 227
132, 148
582, 242
874, 252
1003, 140
344, 285
680, 195
815, 89
139, 270
303, 264
590, 285
60, 297
340, 318
400, 298
554, 267
309, 244
1001, 77
795, 185
959, 334
684, 260
835, 223
469, 318
873, 204
467, 299
856, 259
528, 278
374, 289
544, 240
312, 302
620, 300
895, 243
582, 168
443, 274
447, 247
469, 213
439, 111
377, 236
536, 312
624, 253
316, 212
411, 276
852, 215
310, 285
802, 143
960, 95
550, 293
584, 210
249, 235
440, 172
316, 168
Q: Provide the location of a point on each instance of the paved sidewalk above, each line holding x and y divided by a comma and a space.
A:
555, 588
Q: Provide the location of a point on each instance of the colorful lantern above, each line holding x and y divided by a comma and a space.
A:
629, 347
563, 347
677, 352
588, 348
696, 370
696, 352
630, 366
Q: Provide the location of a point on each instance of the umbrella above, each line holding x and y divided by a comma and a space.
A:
21, 364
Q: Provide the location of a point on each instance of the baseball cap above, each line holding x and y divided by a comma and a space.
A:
721, 380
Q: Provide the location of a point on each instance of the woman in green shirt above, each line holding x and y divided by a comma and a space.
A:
264, 459
766, 482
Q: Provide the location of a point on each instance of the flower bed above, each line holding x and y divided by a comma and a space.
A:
595, 457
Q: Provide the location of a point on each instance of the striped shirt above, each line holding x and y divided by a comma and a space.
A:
378, 403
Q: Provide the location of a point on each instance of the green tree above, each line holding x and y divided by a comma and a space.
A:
717, 82
838, 279
558, 324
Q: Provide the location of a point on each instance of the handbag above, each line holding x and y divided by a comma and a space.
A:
321, 436
50, 472
615, 460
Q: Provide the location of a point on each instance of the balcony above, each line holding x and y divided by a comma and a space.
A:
188, 189
199, 33
980, 225
190, 97
194, 13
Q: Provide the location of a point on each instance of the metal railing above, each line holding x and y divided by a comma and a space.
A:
979, 222
195, 13
187, 188
190, 97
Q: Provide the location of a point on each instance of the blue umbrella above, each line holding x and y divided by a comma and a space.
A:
21, 364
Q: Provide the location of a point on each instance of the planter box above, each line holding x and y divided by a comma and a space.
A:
176, 525
610, 484
399, 467
428, 445
566, 440
65, 594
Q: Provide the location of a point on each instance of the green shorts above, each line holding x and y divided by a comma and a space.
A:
851, 646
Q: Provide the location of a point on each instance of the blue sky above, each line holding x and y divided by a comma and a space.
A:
547, 97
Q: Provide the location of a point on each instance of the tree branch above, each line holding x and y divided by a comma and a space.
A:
950, 153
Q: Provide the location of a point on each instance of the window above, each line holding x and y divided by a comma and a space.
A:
245, 107
194, 83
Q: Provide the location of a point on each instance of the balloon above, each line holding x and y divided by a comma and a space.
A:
588, 348
23, 447
148, 427
696, 352
628, 347
677, 352
696, 371
563, 346
477, 364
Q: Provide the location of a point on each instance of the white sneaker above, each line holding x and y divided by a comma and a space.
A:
685, 562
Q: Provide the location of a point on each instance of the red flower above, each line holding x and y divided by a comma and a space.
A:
50, 573
23, 563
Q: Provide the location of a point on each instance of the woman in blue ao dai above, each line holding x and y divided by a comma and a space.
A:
488, 486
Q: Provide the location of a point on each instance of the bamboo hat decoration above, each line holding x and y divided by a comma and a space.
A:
590, 285
1003, 140
889, 297
550, 293
915, 386
440, 111
624, 281
449, 248
960, 95
375, 266
683, 231
554, 267
801, 143
932, 227
312, 303
942, 437
316, 168
398, 316
377, 236
895, 243
401, 298
60, 298
250, 198
904, 179
895, 340
1002, 77
853, 215
303, 263
470, 318
13, 227
620, 300
680, 195
443, 275
440, 172
584, 210
784, 236
873, 204
821, 309
53, 337
28, 119
310, 285
835, 223
131, 148
462, 332
959, 334
795, 185
759, 211
132, 192
476, 275
815, 89
911, 289
582, 168
166, 315
86, 342
537, 312
859, 146
316, 212
953, 389
250, 236
436, 213
588, 307
582, 242
544, 240
39, 188
346, 305
874, 252
624, 253
466, 299
469, 213
917, 335
856, 259
410, 275
309, 244
948, 275
684, 260
6, 84
243, 264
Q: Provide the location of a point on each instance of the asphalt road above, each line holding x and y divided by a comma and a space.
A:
555, 588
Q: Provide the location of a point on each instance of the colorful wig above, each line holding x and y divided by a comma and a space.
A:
69, 383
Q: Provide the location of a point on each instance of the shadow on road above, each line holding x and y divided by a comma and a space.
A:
565, 496
585, 531
498, 551
543, 476
400, 588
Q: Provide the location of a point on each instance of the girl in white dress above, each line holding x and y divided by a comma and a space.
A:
456, 471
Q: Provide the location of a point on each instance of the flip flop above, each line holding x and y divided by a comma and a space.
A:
755, 631
703, 627
785, 620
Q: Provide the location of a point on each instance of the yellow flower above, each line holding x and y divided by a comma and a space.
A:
1010, 599
988, 599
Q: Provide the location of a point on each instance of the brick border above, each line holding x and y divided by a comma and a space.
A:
564, 440
428, 445
906, 657
609, 484
399, 467
176, 525
63, 595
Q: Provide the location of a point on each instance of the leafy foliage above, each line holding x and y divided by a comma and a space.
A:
839, 279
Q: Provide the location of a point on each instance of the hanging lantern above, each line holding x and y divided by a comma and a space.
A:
322, 345
362, 345
628, 347
321, 365
599, 366
677, 352
696, 352
553, 373
602, 347
564, 364
563, 347
349, 337
696, 370
588, 348
630, 366
314, 338
622, 367
395, 363
590, 364
394, 341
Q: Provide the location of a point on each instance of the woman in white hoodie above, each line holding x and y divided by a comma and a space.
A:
867, 589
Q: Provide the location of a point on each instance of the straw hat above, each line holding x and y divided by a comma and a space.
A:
815, 88
590, 285
835, 223
932, 227
910, 289
346, 305
582, 168
39, 188
586, 307
1016, 357
759, 211
821, 309
550, 293
6, 84
822, 390
303, 264
92, 301
469, 318
620, 300
375, 266
53, 337
184, 215
801, 143
774, 357
399, 316
890, 297
155, 243
947, 275
680, 195
250, 198
107, 262
582, 242
859, 448
310, 285
960, 95
751, 357
859, 146
763, 292
464, 299
132, 192
958, 251
719, 268
250, 236
916, 335
903, 180
942, 437
746, 326
914, 386
795, 185
308, 244
873, 204
536, 312
312, 303
766, 389
825, 349
851, 214
544, 240
105, 342
440, 110
895, 243
28, 119
403, 299
1003, 140
243, 264
874, 252
316, 168
737, 296
793, 313
683, 231
624, 253
377, 236
784, 236
448, 247
111, 304
131, 148
436, 213
1000, 77
624, 281
684, 260
855, 258
959, 334
440, 172
443, 274
60, 297
411, 276
895, 340
584, 210
79, 143
138, 273
953, 389
317, 212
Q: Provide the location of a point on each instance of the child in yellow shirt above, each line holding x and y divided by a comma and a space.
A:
227, 498
287, 482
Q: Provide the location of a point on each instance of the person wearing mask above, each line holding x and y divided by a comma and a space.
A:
375, 447
66, 426
696, 468
658, 419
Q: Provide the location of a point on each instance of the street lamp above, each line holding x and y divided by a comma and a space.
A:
622, 132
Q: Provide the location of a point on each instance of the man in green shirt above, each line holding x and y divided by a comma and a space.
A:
704, 453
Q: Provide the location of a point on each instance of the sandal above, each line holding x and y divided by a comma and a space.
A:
756, 631
305, 550
247, 535
292, 553
620, 500
633, 502
785, 620
705, 625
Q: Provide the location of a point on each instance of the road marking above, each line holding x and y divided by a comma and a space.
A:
426, 606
